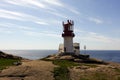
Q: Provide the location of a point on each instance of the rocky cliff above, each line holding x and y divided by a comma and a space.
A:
8, 56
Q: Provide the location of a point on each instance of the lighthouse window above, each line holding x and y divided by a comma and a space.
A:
76, 47
64, 49
71, 28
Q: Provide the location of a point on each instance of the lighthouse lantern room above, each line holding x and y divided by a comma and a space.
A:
68, 36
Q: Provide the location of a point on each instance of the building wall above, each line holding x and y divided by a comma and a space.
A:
68, 44
76, 48
61, 48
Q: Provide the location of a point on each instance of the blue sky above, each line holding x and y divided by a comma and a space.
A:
37, 24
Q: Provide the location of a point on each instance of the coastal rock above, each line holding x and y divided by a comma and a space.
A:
29, 70
43, 70
82, 67
67, 57
78, 60
8, 56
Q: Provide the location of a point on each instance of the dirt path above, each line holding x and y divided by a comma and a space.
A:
30, 70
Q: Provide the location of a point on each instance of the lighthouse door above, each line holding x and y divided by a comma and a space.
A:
64, 49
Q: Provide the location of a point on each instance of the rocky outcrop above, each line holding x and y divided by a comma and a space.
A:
76, 58
44, 70
8, 56
29, 70
95, 72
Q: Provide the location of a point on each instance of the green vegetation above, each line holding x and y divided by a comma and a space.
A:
94, 76
100, 76
97, 75
118, 78
84, 79
45, 59
90, 65
62, 72
7, 62
117, 70
65, 63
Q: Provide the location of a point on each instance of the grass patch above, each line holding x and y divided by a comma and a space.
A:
7, 62
84, 79
118, 78
94, 76
2, 67
90, 65
117, 70
65, 63
61, 73
100, 76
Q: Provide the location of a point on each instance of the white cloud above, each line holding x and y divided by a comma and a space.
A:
40, 34
79, 31
99, 38
35, 4
96, 20
12, 26
20, 16
10, 12
93, 37
40, 22
75, 11
54, 2
27, 3
26, 17
57, 14
62, 5
9, 16
6, 31
56, 22
44, 4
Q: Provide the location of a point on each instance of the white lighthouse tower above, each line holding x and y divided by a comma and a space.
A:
68, 37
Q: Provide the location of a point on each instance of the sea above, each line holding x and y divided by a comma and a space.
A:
106, 55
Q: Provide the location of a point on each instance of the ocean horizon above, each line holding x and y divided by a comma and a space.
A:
106, 55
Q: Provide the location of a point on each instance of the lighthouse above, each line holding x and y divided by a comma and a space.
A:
68, 37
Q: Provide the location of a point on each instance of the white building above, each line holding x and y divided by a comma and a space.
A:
68, 46
76, 48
